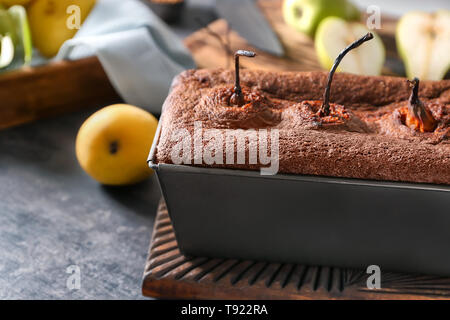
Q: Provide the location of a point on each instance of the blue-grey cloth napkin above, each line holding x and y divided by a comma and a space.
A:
139, 53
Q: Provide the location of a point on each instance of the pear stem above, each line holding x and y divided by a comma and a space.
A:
418, 110
414, 97
238, 97
325, 109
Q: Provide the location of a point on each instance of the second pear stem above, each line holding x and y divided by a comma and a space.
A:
325, 110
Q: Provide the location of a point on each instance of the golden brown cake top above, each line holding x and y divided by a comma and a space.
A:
366, 135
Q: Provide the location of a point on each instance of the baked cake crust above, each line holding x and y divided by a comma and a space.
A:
368, 141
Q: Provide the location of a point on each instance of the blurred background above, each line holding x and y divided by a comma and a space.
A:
67, 197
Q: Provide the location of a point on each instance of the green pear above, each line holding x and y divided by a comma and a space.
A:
8, 38
334, 34
423, 42
7, 25
15, 37
23, 45
306, 15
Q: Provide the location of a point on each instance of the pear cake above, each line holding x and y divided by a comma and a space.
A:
371, 139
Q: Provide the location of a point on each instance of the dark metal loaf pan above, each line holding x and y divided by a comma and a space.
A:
307, 219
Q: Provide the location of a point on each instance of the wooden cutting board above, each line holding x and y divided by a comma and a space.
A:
170, 274
209, 52
29, 94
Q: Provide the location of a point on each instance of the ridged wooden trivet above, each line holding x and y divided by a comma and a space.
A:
170, 274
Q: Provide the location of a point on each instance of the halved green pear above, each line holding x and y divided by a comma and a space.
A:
24, 45
15, 38
306, 15
6, 51
423, 42
334, 34
7, 25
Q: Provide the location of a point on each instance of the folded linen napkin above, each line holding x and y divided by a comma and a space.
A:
139, 53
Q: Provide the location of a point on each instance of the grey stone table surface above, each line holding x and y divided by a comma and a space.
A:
53, 216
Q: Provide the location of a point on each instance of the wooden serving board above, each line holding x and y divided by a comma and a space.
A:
29, 93
300, 54
170, 274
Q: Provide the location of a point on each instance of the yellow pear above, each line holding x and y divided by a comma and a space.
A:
112, 145
54, 21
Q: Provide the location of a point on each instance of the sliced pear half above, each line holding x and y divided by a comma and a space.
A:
423, 42
334, 34
6, 51
19, 16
